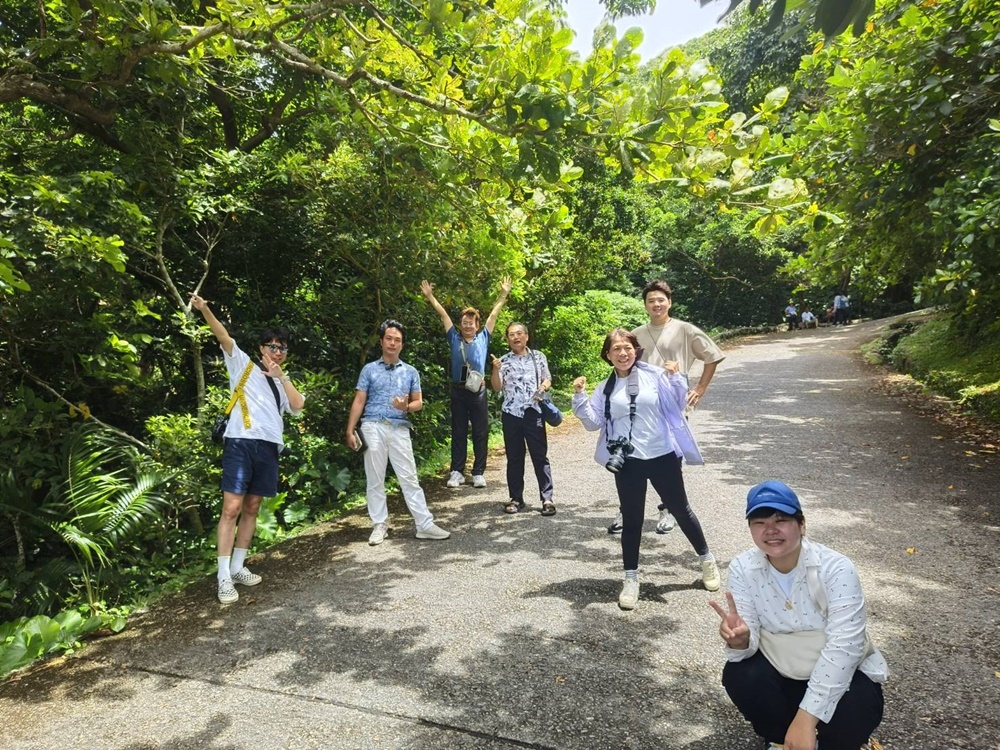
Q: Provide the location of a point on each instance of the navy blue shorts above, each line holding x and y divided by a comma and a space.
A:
250, 467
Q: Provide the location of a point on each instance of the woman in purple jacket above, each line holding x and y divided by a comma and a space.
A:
639, 411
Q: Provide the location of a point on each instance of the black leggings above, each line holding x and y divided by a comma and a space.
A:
665, 474
468, 407
769, 702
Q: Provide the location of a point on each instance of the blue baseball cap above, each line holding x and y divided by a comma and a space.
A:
773, 494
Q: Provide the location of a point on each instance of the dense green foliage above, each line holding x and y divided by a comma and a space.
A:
927, 350
900, 138
309, 165
831, 17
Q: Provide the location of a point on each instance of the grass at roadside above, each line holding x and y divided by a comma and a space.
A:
926, 349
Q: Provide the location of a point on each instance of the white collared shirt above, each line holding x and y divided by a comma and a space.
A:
762, 604
265, 419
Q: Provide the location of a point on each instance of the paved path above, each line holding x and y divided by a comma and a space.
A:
508, 634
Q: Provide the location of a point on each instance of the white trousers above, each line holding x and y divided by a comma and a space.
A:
391, 443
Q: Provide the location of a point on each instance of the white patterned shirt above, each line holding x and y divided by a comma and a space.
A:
762, 604
522, 376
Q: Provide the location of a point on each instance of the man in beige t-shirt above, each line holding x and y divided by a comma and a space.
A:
665, 340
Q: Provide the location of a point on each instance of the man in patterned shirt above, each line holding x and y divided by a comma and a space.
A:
388, 391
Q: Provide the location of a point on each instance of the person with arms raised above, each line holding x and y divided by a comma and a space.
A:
469, 347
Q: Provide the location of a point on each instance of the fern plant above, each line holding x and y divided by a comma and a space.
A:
103, 504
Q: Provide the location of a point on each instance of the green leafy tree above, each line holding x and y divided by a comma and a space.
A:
902, 144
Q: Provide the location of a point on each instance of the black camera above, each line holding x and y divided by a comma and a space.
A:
620, 448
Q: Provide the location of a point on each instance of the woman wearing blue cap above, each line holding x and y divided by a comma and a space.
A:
800, 665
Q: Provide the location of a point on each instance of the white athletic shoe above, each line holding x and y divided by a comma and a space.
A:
379, 533
244, 577
665, 523
433, 532
629, 596
456, 479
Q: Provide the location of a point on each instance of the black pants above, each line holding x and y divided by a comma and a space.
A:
665, 474
468, 407
769, 702
529, 431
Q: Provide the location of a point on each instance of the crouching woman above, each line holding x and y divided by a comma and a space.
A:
800, 665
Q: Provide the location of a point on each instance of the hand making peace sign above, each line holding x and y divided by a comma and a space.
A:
734, 631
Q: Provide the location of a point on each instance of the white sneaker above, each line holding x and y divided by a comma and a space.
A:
616, 525
244, 577
433, 532
629, 596
710, 575
455, 479
227, 592
479, 481
379, 533
666, 522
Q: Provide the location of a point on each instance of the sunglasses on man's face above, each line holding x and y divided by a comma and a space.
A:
277, 348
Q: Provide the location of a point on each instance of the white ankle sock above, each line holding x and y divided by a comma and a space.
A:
224, 574
239, 557
632, 575
706, 557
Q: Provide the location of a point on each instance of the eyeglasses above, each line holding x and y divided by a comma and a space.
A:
277, 348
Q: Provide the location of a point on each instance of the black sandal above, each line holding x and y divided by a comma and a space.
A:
548, 508
514, 506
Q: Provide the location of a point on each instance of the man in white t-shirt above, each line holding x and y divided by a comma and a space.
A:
808, 319
252, 444
667, 340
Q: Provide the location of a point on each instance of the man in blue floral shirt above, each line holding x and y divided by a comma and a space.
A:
388, 391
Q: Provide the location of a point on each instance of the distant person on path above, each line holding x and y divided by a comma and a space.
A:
792, 316
252, 444
800, 665
522, 375
469, 347
841, 310
639, 411
388, 391
808, 319
666, 342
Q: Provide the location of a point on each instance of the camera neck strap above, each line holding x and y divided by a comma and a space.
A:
632, 388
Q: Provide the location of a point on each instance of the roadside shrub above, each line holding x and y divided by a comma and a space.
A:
573, 335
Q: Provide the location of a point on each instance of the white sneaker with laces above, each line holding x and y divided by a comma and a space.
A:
616, 525
629, 596
479, 481
379, 533
432, 532
665, 523
710, 575
456, 479
244, 577
227, 592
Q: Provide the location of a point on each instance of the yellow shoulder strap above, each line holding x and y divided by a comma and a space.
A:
238, 396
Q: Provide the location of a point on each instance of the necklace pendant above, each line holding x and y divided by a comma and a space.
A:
788, 604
